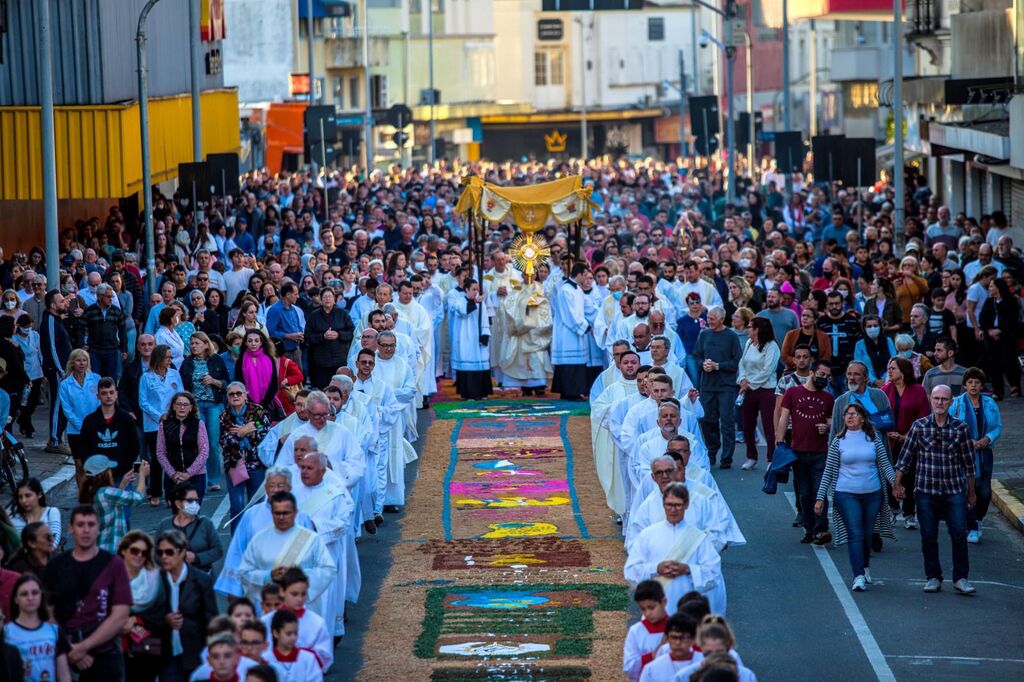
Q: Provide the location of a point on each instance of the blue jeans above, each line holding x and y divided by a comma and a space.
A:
106, 363
240, 494
210, 413
858, 511
982, 487
953, 509
199, 481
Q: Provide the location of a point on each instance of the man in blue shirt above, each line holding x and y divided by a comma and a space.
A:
285, 321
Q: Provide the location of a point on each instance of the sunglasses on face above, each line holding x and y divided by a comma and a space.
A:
167, 552
235, 394
134, 551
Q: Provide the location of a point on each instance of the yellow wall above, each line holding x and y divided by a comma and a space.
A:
98, 147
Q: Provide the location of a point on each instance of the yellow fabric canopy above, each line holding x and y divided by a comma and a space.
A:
565, 200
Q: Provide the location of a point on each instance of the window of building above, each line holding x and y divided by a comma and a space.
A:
655, 28
354, 98
557, 62
379, 92
540, 68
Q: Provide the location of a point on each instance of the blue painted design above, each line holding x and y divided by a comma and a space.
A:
453, 459
498, 465
570, 477
499, 599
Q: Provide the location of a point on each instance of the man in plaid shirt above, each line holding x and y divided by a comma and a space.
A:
939, 447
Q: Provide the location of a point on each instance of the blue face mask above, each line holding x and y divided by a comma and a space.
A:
617, 295
873, 332
907, 353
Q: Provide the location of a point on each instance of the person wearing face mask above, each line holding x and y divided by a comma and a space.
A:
232, 346
905, 349
28, 340
874, 351
809, 408
204, 548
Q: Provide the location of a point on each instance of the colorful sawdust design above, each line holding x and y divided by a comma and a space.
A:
509, 408
547, 552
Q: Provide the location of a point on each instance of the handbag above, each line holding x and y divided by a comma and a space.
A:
783, 458
771, 484
142, 642
238, 473
883, 420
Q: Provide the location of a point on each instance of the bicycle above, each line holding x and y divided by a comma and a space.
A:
12, 460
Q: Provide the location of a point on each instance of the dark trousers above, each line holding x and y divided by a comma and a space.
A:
198, 481
1001, 357
719, 422
106, 363
859, 511
320, 375
29, 408
982, 488
15, 399
156, 472
142, 668
808, 469
106, 667
57, 420
953, 509
758, 401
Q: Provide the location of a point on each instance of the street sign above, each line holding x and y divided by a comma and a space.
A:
550, 29
399, 115
348, 121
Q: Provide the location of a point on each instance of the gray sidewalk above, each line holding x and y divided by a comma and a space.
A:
1008, 471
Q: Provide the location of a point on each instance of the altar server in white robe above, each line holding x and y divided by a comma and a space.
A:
413, 312
401, 377
330, 506
708, 510
661, 349
655, 442
606, 452
498, 283
609, 314
394, 452
620, 408
431, 298
471, 337
331, 438
354, 410
679, 449
610, 374
283, 545
569, 349
678, 554
643, 415
255, 518
676, 350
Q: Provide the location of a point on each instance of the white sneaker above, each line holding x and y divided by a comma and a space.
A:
749, 464
867, 576
973, 537
964, 587
859, 584
910, 522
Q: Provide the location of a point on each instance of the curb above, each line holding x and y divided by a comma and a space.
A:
1009, 504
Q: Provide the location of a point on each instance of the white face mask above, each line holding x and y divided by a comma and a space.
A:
191, 508
10, 305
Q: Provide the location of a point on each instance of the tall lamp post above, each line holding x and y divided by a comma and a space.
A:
897, 119
147, 177
48, 151
194, 70
730, 126
583, 93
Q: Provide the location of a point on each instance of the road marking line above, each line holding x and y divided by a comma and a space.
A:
860, 626
222, 511
964, 659
65, 473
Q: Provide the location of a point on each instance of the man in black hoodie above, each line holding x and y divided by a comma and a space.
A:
110, 430
55, 344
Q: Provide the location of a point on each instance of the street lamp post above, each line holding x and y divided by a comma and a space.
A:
430, 67
309, 48
48, 146
368, 112
897, 120
730, 126
194, 59
751, 146
147, 178
583, 95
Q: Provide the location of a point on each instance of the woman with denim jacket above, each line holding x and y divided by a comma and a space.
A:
205, 376
981, 414
874, 350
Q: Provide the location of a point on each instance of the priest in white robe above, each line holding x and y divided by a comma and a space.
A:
654, 442
616, 415
569, 349
331, 438
470, 336
606, 452
283, 545
397, 373
330, 506
610, 374
641, 305
643, 416
677, 352
431, 298
608, 316
394, 452
523, 359
255, 518
679, 555
500, 282
413, 312
661, 349
354, 409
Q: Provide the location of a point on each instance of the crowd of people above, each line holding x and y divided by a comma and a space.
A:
288, 346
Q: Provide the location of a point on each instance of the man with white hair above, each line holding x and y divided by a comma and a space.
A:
254, 519
326, 500
717, 352
423, 332
355, 409
337, 443
106, 331
393, 451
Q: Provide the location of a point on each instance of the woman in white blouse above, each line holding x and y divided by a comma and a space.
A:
757, 381
29, 506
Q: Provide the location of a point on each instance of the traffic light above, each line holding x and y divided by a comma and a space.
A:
704, 123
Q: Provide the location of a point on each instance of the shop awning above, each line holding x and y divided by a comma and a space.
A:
990, 139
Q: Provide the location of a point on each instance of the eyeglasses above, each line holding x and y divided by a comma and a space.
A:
673, 505
167, 552
386, 345
235, 394
202, 279
663, 472
317, 415
183, 403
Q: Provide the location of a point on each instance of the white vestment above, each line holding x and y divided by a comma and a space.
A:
331, 508
401, 377
393, 451
606, 453
313, 635
680, 542
254, 519
297, 546
468, 354
423, 331
524, 346
512, 280
693, 473
620, 408
337, 442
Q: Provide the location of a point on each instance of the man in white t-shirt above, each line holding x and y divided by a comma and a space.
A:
236, 280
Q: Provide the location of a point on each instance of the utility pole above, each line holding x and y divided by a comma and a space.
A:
583, 95
367, 154
693, 47
194, 60
683, 148
730, 127
785, 64
897, 120
814, 79
147, 176
430, 68
48, 147
751, 146
309, 48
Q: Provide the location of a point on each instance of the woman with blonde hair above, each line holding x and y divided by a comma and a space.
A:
11, 304
77, 397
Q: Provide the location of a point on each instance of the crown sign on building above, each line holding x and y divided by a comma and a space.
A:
555, 142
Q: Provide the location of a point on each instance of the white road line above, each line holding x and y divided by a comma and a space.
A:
222, 511
860, 626
65, 473
958, 659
